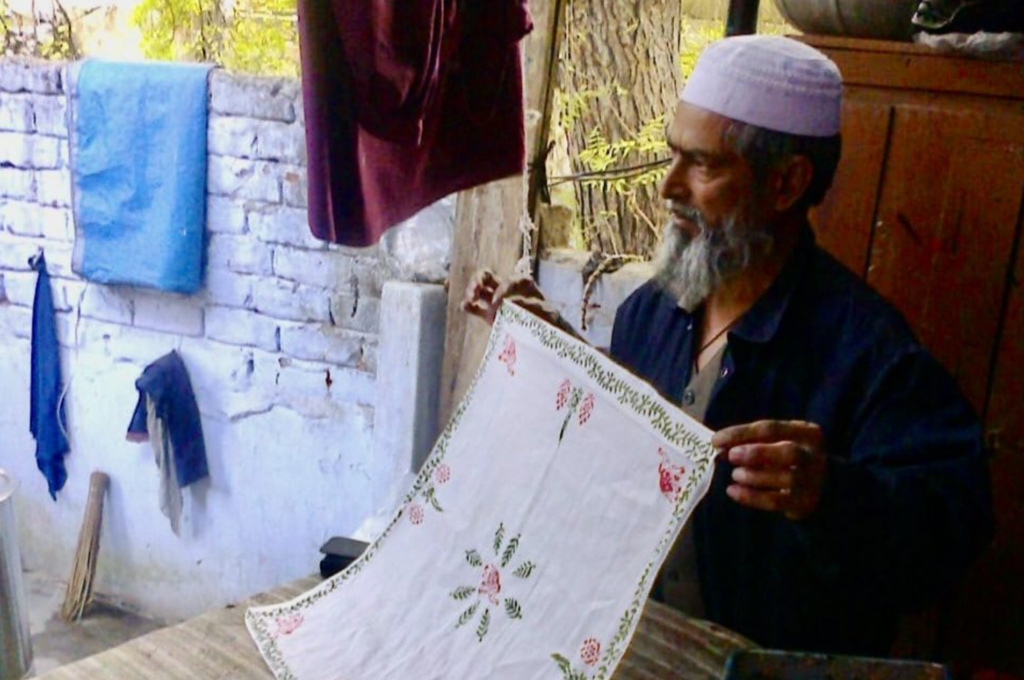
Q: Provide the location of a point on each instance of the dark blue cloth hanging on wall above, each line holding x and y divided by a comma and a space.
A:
46, 415
166, 383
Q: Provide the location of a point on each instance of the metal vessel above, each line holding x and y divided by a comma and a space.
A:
15, 644
878, 19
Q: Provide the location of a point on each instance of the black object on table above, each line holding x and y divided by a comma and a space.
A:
764, 664
338, 553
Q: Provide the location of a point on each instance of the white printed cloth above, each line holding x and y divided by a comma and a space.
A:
530, 540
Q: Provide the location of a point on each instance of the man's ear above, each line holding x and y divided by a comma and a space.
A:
790, 181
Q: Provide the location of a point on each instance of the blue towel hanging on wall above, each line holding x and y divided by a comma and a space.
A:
46, 413
138, 157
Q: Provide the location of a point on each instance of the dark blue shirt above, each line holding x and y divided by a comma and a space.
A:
907, 503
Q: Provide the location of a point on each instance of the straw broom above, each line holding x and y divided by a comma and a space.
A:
79, 592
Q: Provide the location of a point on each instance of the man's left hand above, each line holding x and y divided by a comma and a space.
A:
779, 465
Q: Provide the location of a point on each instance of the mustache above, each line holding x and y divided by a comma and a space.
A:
687, 212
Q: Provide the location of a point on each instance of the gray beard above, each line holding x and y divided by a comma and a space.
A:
690, 269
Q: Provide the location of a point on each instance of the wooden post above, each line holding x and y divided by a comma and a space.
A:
742, 18
487, 217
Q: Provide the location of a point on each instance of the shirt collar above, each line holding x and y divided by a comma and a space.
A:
760, 323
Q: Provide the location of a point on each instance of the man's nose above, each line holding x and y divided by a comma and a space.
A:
673, 186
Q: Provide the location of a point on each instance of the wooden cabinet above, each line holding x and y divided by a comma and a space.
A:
927, 206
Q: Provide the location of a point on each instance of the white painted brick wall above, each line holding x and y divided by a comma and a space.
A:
49, 115
261, 98
258, 139
29, 75
16, 113
19, 218
24, 150
280, 344
239, 254
325, 269
293, 186
241, 327
289, 300
53, 187
356, 313
323, 342
169, 313
242, 178
228, 289
18, 183
19, 288
108, 303
284, 226
225, 215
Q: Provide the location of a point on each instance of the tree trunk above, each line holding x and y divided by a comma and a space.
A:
620, 76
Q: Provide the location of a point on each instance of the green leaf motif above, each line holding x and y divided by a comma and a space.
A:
510, 551
499, 537
565, 666
513, 609
432, 499
463, 592
524, 570
565, 424
468, 614
485, 622
473, 557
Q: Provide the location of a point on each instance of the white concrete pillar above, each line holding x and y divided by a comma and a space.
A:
409, 361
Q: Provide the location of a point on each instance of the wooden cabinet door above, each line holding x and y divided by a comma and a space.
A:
947, 217
985, 622
844, 221
942, 250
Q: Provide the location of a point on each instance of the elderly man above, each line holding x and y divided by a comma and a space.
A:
851, 486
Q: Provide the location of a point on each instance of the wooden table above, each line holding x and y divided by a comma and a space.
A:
217, 646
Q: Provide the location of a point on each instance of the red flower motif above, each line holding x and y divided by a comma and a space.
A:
508, 355
590, 652
490, 583
669, 476
416, 513
562, 398
286, 625
442, 474
586, 408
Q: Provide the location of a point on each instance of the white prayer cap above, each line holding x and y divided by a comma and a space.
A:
772, 82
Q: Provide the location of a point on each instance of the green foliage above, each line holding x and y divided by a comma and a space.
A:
510, 551
485, 622
696, 36
473, 557
512, 608
524, 570
263, 39
462, 592
565, 666
499, 538
46, 35
256, 36
430, 495
467, 615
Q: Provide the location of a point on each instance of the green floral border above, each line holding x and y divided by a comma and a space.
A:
674, 426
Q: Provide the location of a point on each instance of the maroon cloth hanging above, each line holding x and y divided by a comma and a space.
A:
406, 101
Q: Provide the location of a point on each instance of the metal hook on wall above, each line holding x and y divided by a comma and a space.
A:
36, 259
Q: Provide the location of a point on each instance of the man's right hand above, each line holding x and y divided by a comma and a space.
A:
486, 292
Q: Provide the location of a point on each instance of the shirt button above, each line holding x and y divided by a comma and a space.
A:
689, 397
724, 372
